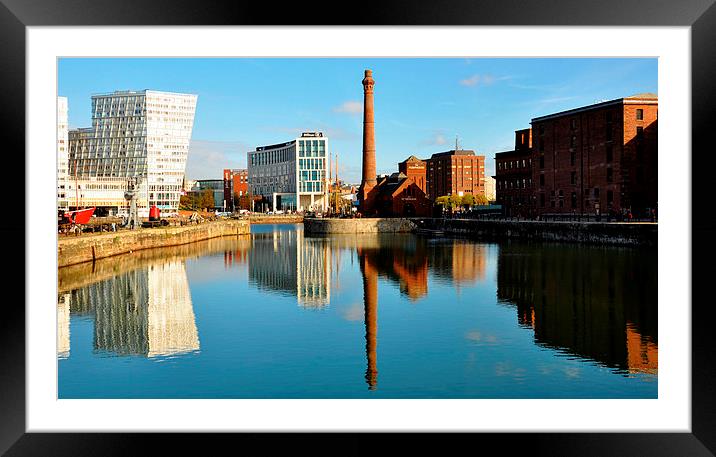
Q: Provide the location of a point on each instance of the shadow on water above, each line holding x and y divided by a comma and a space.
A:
592, 303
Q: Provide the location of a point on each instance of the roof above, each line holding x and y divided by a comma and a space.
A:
412, 158
452, 152
516, 152
643, 98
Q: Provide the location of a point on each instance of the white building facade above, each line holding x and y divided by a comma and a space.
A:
135, 135
291, 175
62, 153
490, 188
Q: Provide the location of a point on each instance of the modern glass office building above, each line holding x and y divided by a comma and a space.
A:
62, 153
142, 135
291, 175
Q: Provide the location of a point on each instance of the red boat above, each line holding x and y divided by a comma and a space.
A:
78, 217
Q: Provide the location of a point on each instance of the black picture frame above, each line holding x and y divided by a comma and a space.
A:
700, 15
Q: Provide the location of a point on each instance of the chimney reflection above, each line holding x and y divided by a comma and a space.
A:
370, 300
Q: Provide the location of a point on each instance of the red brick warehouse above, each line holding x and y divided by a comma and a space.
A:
597, 159
455, 173
513, 177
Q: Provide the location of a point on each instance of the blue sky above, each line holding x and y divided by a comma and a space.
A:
421, 105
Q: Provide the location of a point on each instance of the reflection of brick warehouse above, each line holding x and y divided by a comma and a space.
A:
598, 158
582, 300
469, 262
642, 353
513, 176
413, 274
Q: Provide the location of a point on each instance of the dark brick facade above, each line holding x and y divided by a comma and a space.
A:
513, 177
597, 159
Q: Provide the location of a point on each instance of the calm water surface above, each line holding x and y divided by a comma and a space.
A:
279, 314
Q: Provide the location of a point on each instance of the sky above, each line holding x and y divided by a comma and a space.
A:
421, 105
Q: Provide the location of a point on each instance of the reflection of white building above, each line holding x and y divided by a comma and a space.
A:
289, 263
313, 268
146, 312
171, 327
63, 326
291, 175
62, 153
134, 134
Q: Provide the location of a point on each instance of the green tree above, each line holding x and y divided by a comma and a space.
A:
467, 201
480, 199
455, 201
206, 199
443, 201
187, 202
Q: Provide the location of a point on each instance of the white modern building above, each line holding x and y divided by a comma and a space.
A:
135, 135
62, 153
291, 175
490, 188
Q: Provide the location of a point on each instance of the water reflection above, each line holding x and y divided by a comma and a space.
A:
147, 311
286, 262
596, 303
140, 303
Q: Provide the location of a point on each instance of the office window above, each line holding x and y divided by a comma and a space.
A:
596, 192
609, 153
573, 178
609, 175
573, 141
541, 200
572, 157
640, 133
639, 114
574, 199
573, 124
541, 180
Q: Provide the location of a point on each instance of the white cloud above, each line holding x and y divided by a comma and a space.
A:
437, 139
207, 159
350, 107
471, 81
484, 80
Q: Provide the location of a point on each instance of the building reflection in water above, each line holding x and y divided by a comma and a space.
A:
147, 311
286, 262
406, 261
587, 301
63, 326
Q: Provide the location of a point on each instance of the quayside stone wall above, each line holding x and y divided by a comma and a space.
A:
643, 234
368, 225
87, 247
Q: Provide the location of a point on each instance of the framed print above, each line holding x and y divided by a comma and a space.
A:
232, 190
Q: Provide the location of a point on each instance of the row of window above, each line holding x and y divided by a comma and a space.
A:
523, 163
